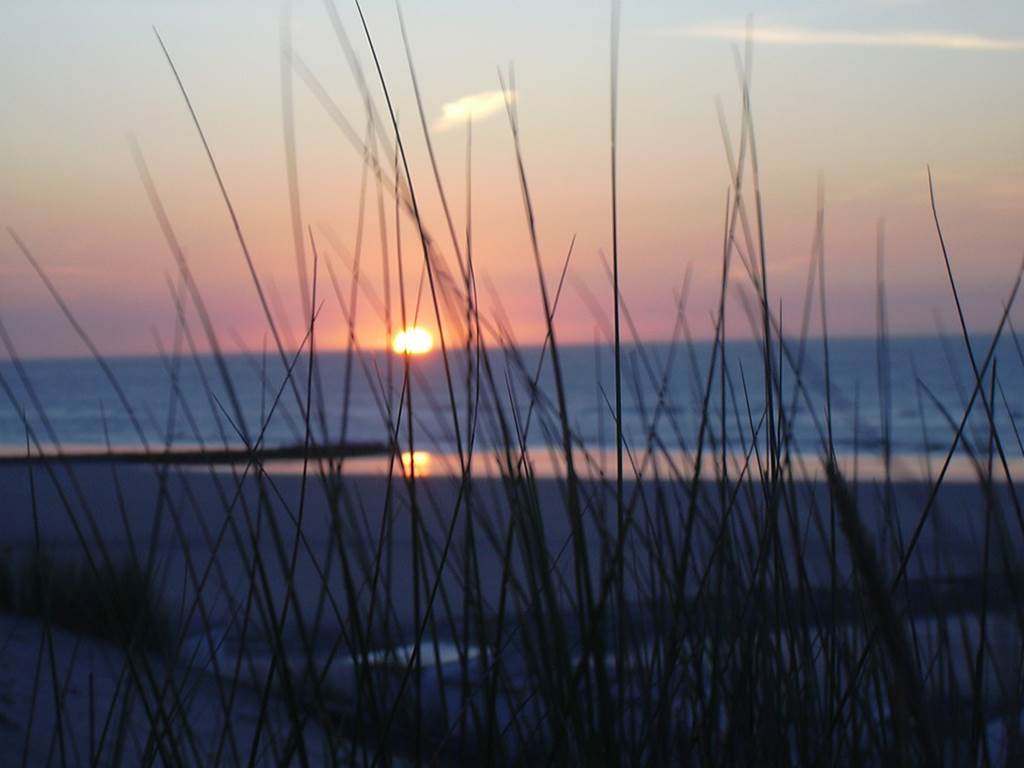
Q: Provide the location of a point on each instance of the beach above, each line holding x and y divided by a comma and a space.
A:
209, 522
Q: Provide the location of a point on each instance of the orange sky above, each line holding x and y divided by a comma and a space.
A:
864, 97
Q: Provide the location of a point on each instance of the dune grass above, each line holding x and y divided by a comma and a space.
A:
117, 603
665, 614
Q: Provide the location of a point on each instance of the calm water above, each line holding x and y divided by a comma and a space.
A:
924, 375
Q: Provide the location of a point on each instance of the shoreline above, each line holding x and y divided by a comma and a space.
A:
377, 459
196, 455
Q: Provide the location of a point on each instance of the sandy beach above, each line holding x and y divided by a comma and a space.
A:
125, 504
67, 510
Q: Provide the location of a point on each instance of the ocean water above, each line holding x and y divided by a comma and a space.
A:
911, 402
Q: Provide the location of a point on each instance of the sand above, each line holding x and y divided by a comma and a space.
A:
129, 508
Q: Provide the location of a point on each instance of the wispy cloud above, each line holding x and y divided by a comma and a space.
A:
807, 36
479, 106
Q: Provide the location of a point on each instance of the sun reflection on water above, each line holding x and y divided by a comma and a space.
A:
419, 461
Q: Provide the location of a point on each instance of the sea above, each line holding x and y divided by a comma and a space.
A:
904, 396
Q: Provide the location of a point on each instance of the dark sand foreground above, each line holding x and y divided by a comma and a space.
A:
203, 526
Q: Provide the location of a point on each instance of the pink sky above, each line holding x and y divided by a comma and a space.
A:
864, 97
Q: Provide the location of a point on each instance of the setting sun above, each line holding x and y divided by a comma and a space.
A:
412, 341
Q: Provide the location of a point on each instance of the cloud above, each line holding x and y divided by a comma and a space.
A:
807, 36
479, 106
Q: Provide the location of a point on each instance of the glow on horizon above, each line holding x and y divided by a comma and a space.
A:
418, 462
858, 95
412, 341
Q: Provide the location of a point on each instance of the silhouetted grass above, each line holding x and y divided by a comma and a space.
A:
118, 603
728, 596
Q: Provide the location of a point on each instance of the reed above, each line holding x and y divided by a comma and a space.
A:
729, 595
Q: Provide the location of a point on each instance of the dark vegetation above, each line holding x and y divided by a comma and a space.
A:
676, 623
118, 603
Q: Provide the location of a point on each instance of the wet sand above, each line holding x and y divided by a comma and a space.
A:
130, 507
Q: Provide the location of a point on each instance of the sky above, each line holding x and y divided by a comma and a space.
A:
861, 95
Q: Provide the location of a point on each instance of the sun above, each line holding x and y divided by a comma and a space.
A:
412, 341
